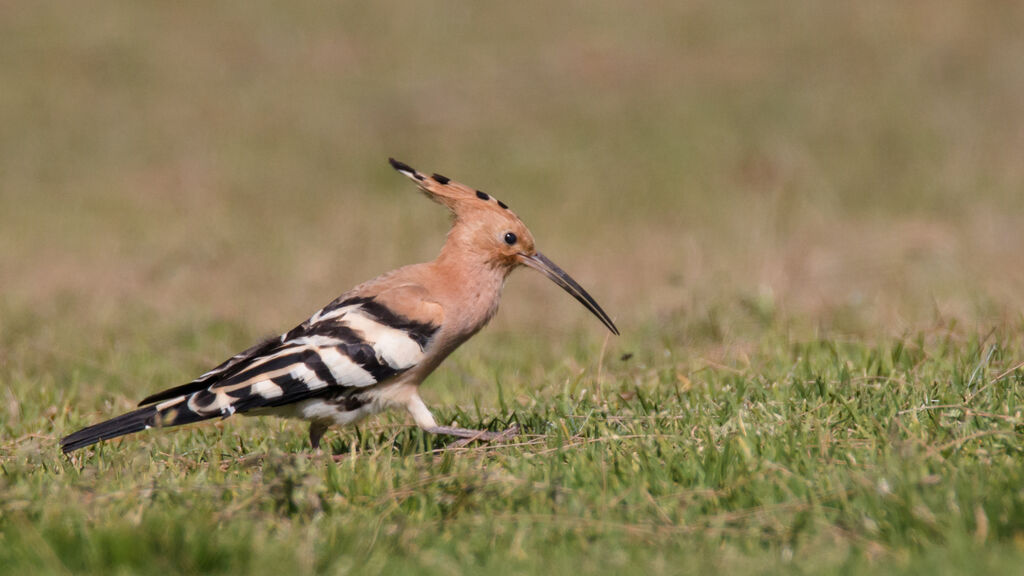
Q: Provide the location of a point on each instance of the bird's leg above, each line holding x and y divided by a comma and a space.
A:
490, 436
465, 433
316, 432
425, 420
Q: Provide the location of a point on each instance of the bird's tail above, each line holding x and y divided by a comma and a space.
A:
134, 421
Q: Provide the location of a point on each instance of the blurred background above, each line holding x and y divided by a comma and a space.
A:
852, 167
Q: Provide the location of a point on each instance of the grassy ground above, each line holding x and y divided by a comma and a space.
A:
805, 219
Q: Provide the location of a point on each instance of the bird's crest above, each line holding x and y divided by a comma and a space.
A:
456, 196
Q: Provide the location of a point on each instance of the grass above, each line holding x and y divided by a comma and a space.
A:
819, 456
805, 219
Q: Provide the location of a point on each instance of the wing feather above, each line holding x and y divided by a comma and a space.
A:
351, 344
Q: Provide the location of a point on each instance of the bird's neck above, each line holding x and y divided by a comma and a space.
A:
472, 286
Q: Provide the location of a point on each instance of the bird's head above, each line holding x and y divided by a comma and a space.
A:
485, 228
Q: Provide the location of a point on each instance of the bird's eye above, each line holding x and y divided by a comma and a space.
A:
510, 238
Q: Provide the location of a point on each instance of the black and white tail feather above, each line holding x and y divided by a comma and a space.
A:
329, 364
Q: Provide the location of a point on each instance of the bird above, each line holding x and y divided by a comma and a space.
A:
371, 348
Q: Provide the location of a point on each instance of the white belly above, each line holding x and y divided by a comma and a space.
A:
335, 413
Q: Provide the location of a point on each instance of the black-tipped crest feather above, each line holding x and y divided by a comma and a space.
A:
405, 168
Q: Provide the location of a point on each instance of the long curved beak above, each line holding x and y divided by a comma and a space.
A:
541, 263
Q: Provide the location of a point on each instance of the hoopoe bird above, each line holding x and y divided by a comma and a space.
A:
372, 347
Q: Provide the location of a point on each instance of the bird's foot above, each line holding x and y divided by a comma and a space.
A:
467, 435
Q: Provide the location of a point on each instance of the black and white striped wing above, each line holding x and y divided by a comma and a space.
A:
343, 349
337, 355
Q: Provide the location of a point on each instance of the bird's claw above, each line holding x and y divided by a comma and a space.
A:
467, 435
